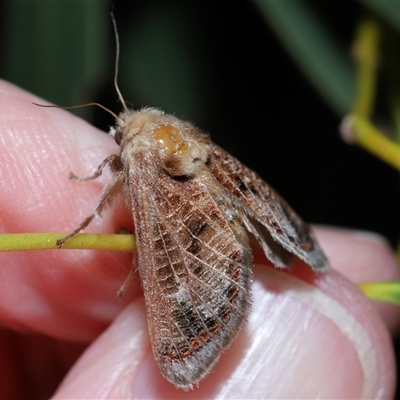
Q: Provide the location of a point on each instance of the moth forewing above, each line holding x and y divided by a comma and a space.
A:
195, 265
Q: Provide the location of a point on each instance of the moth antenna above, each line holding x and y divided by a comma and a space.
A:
79, 106
121, 99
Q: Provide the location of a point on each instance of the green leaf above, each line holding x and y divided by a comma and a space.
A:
388, 10
314, 49
57, 49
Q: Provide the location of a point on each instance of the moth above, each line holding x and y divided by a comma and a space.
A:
194, 208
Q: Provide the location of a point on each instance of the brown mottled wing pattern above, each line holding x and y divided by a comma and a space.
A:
195, 264
279, 230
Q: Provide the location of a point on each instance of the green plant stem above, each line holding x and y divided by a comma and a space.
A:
367, 59
42, 241
357, 127
382, 291
361, 131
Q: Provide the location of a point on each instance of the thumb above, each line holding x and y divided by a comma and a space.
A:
299, 342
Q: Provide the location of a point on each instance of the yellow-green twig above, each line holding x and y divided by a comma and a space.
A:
41, 241
359, 130
356, 127
367, 59
382, 291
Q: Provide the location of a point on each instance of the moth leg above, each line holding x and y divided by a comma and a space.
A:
113, 187
113, 161
128, 279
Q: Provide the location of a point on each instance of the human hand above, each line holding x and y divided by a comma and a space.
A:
307, 336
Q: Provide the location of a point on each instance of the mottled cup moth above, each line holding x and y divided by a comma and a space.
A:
193, 207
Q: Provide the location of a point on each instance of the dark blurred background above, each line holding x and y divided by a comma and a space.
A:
242, 71
221, 65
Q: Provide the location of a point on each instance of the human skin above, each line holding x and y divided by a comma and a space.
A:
307, 336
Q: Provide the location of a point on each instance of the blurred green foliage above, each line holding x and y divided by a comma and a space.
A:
56, 49
61, 50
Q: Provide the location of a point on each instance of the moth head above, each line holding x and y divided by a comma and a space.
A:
175, 145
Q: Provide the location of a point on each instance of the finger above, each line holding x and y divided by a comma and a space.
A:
363, 257
32, 366
302, 340
111, 363
36, 307
67, 294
